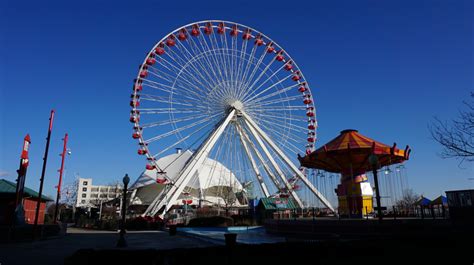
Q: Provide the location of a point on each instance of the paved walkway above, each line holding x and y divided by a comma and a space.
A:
53, 251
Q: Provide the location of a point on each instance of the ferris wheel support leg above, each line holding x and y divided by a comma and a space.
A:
190, 169
252, 161
295, 169
262, 160
274, 164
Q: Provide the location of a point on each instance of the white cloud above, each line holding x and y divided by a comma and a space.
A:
4, 173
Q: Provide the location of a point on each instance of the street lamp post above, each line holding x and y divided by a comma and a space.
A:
122, 242
373, 160
61, 170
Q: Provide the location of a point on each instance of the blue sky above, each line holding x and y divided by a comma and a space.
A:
385, 68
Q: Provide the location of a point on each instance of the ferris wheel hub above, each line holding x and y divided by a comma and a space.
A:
237, 104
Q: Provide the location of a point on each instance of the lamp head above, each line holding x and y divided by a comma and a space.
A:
126, 179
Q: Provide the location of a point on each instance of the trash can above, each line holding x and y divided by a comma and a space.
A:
230, 239
172, 230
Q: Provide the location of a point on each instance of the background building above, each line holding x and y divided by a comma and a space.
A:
89, 195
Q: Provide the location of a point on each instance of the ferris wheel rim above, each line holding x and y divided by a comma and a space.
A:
228, 25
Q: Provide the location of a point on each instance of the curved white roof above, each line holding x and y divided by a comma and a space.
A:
212, 173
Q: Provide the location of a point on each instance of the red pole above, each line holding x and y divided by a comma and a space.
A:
45, 159
58, 195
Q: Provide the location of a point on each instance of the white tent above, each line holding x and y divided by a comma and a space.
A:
208, 184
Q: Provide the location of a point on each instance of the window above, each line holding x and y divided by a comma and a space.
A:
83, 201
84, 183
84, 189
84, 195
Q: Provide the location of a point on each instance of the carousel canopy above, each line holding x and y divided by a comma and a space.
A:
349, 154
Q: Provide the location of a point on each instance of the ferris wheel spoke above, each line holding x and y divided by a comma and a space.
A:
222, 63
183, 69
195, 64
293, 127
277, 101
213, 54
251, 60
262, 115
173, 132
227, 58
267, 67
166, 111
180, 141
209, 65
276, 93
278, 108
251, 97
246, 81
179, 82
165, 122
161, 99
252, 94
241, 59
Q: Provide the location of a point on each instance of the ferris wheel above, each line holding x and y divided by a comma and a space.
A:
228, 92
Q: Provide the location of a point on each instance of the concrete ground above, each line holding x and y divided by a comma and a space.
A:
53, 251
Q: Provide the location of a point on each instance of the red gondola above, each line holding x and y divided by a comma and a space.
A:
234, 32
258, 40
270, 48
170, 42
134, 103
195, 31
208, 29
150, 167
137, 87
160, 50
160, 180
247, 35
280, 56
182, 36
136, 135
141, 151
134, 119
150, 61
307, 99
296, 77
221, 28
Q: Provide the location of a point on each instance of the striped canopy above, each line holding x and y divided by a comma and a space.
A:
349, 154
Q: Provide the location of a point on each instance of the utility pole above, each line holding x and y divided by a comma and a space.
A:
58, 195
45, 159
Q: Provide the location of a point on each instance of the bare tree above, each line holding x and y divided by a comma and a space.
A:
69, 193
408, 199
456, 137
229, 198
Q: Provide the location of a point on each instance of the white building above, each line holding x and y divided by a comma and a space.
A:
89, 195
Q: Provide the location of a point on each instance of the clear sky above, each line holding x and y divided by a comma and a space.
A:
385, 68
